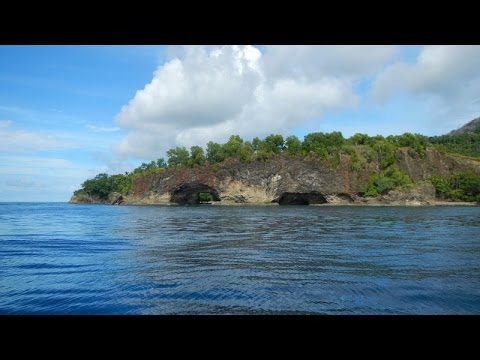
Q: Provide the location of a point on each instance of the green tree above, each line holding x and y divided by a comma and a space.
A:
233, 146
214, 153
384, 153
323, 144
463, 186
178, 156
99, 186
314, 142
152, 165
196, 155
442, 187
467, 144
246, 152
120, 183
161, 163
266, 149
372, 140
293, 145
274, 143
255, 143
416, 142
467, 185
335, 139
389, 179
359, 139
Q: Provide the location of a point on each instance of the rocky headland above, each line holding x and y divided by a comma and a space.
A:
284, 180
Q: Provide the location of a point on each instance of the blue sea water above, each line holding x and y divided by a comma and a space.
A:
57, 258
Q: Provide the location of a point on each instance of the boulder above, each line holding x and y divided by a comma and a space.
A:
115, 198
420, 194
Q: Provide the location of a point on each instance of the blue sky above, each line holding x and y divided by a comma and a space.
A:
70, 112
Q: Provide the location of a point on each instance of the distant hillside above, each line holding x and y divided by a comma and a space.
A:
464, 141
472, 126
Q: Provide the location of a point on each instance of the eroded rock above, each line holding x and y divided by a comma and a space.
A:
115, 198
420, 194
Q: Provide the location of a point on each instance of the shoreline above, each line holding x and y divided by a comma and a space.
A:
420, 197
366, 204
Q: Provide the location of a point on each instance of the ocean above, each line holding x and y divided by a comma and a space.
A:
57, 258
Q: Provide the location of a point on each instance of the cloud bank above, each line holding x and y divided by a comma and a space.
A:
24, 141
446, 77
209, 93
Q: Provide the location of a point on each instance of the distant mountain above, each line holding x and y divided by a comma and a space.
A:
472, 126
463, 141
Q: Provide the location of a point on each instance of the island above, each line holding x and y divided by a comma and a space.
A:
323, 169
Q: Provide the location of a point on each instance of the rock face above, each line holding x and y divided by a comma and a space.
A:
281, 180
285, 180
86, 199
115, 198
433, 163
421, 194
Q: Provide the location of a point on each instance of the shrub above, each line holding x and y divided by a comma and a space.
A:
464, 186
381, 183
205, 197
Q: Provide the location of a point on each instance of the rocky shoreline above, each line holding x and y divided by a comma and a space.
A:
420, 195
372, 202
288, 181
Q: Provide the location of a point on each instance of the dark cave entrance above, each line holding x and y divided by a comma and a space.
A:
194, 193
291, 198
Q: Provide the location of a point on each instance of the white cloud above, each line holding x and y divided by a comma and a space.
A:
209, 93
114, 165
448, 77
32, 165
22, 140
21, 183
102, 129
42, 178
31, 178
317, 62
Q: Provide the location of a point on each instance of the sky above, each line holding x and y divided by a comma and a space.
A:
68, 113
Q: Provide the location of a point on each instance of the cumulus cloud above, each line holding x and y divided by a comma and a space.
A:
113, 164
316, 62
22, 140
447, 76
209, 93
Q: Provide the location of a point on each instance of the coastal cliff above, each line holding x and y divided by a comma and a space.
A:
324, 168
286, 180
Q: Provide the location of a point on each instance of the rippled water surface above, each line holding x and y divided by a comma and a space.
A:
57, 258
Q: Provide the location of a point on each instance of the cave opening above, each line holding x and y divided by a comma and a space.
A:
291, 198
194, 193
